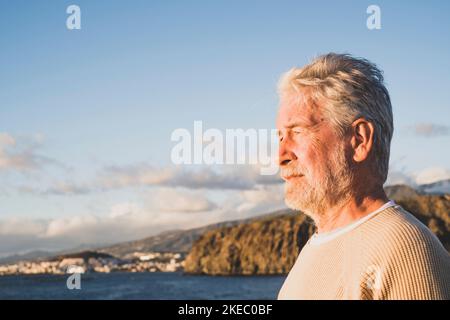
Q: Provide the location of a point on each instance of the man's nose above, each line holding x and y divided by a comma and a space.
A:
285, 154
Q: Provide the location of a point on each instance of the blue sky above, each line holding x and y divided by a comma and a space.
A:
79, 101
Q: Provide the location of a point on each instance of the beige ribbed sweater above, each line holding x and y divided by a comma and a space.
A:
388, 255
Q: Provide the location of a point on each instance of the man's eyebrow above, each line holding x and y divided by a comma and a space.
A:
297, 124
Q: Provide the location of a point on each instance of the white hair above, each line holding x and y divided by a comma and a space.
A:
347, 88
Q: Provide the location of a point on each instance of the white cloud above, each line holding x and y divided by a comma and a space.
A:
226, 177
69, 225
236, 177
16, 227
432, 174
172, 200
177, 209
400, 177
430, 129
21, 154
248, 203
13, 157
263, 198
414, 179
125, 209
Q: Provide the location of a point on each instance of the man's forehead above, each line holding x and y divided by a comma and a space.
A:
297, 110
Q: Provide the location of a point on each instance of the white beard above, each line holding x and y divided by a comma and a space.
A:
315, 196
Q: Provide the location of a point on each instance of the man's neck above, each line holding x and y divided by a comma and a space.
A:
354, 208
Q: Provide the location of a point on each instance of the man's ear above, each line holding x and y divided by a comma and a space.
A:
362, 135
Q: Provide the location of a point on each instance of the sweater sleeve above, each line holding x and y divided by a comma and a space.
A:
416, 266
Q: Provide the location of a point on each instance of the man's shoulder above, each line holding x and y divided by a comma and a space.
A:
413, 261
398, 231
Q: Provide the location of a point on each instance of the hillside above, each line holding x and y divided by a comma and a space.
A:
85, 255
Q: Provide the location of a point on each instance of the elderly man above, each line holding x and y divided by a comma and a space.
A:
335, 128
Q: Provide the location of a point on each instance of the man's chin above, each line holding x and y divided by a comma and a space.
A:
302, 207
294, 203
